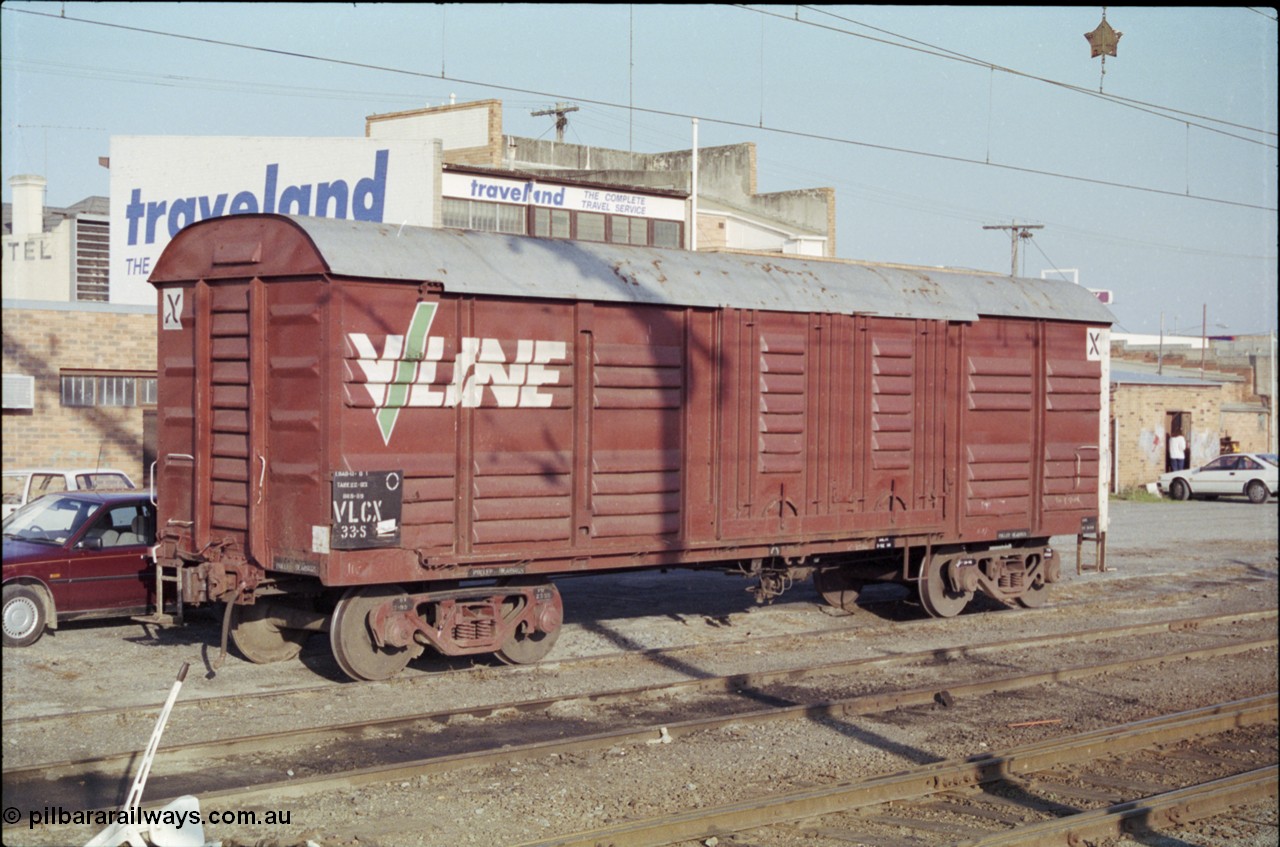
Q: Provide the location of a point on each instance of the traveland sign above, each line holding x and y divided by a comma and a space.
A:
160, 184
533, 192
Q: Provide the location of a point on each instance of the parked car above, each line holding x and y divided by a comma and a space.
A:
75, 555
21, 487
1252, 475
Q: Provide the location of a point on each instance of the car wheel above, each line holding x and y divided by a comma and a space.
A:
23, 616
1179, 490
1257, 492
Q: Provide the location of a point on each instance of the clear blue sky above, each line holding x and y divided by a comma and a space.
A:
930, 122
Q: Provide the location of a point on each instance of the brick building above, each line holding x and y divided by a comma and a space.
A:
92, 385
79, 370
1224, 406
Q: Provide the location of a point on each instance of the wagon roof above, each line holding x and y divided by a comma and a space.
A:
482, 263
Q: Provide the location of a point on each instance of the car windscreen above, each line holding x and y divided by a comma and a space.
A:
50, 520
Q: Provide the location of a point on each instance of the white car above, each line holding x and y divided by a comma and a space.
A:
1252, 475
21, 487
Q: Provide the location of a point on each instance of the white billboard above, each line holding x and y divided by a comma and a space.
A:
159, 184
548, 192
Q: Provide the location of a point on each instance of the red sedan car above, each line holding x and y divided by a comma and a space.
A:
76, 555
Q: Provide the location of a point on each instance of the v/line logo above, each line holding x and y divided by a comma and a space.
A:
404, 376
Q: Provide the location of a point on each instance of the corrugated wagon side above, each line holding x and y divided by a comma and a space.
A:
399, 435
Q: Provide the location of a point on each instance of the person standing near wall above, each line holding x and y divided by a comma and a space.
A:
1178, 452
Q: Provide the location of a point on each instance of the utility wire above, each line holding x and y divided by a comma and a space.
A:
943, 53
651, 111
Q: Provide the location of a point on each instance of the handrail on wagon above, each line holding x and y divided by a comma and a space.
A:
153, 472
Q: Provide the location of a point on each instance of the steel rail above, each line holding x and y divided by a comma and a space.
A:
1169, 809
727, 682
924, 781
862, 705
732, 683
197, 704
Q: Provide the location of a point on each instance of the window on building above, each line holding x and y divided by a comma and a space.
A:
147, 393
547, 222
590, 226
455, 214
511, 219
92, 266
619, 230
487, 217
623, 230
639, 231
98, 389
551, 223
666, 234
484, 217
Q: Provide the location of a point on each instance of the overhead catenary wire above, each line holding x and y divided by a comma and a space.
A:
943, 53
603, 122
660, 112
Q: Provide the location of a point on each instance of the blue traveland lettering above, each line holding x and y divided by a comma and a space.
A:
269, 190
216, 211
244, 203
367, 202
370, 194
517, 193
331, 191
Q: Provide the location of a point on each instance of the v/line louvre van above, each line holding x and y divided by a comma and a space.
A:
419, 428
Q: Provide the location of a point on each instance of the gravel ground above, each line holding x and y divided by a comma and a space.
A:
1165, 560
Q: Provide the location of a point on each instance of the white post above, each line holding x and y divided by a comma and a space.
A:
1271, 417
1104, 431
693, 197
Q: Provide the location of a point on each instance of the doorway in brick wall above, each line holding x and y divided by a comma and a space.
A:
1176, 423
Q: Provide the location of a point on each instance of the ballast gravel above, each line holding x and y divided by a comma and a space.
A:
1164, 559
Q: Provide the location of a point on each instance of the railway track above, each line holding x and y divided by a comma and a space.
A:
247, 768
407, 687
1050, 792
128, 724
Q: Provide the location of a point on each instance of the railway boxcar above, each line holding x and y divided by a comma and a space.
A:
399, 435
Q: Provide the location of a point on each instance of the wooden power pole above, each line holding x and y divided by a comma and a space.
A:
1016, 231
561, 111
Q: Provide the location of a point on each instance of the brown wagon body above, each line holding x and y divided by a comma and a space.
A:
432, 423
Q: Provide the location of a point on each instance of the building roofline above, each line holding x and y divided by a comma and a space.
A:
78, 306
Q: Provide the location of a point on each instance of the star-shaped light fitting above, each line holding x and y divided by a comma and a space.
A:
1103, 40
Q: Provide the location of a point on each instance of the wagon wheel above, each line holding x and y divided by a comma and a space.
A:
528, 644
936, 595
261, 640
1036, 594
838, 588
352, 639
